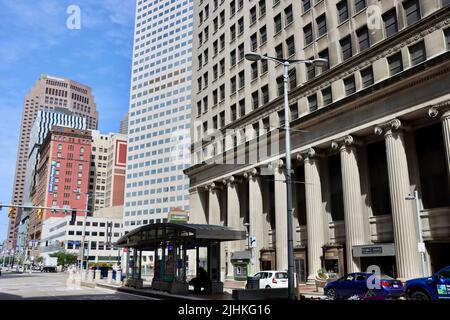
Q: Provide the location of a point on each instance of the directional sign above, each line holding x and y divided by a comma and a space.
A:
252, 242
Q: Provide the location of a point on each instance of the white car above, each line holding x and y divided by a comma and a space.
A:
272, 279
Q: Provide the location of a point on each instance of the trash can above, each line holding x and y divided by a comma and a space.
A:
252, 283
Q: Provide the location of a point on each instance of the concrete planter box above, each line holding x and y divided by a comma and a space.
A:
134, 283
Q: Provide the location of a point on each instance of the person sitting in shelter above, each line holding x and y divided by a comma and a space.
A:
201, 281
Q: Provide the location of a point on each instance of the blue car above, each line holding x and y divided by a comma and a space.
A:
436, 287
358, 285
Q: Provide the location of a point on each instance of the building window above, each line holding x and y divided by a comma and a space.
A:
289, 15
293, 111
215, 123
232, 7
412, 11
327, 96
417, 53
280, 85
265, 94
342, 8
310, 70
233, 113
346, 45
390, 23
395, 63
263, 35
241, 79
308, 33
241, 25
292, 79
205, 104
279, 51
254, 42
241, 51
264, 66
215, 97
254, 70
222, 92
325, 55
242, 107
363, 38
350, 86
277, 23
367, 77
253, 16
312, 103
255, 100
290, 46
321, 25
306, 5
262, 8
233, 57
233, 85
232, 32
359, 5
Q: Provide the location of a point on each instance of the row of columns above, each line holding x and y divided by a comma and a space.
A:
403, 215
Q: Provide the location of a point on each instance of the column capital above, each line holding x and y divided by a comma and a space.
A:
251, 173
344, 142
308, 154
389, 127
441, 109
213, 187
231, 180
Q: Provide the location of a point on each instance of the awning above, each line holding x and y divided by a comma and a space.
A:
150, 236
241, 255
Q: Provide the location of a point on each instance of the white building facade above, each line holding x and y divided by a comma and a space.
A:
159, 117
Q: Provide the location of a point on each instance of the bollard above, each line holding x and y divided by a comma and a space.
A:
90, 276
98, 275
119, 278
110, 276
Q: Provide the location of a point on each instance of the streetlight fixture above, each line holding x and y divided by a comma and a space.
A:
320, 62
421, 244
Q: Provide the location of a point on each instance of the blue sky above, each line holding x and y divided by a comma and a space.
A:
34, 40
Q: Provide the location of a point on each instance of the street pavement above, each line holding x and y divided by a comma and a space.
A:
53, 286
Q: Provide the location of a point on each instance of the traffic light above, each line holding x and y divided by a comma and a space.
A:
12, 211
40, 214
73, 218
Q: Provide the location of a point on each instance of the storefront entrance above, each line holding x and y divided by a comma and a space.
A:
268, 260
380, 256
300, 264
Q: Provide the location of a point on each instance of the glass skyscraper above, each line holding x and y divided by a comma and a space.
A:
159, 117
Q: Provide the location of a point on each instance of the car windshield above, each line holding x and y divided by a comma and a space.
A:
445, 273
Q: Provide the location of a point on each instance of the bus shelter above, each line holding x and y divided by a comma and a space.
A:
171, 244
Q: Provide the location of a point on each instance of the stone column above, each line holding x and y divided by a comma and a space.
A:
281, 217
233, 219
314, 213
403, 215
351, 189
255, 216
198, 212
444, 111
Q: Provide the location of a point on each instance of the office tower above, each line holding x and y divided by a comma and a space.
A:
124, 124
108, 165
49, 93
158, 133
367, 129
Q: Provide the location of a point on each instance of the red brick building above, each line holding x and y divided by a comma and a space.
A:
63, 175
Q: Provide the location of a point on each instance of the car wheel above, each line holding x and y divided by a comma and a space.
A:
419, 295
331, 294
267, 287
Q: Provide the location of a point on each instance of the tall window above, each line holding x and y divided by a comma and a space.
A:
277, 23
241, 79
253, 15
264, 66
327, 96
325, 55
263, 35
310, 70
306, 5
363, 38
346, 45
232, 7
255, 100
254, 42
342, 8
321, 25
232, 32
412, 11
279, 51
262, 7
395, 63
290, 46
254, 70
417, 53
288, 14
359, 5
280, 86
367, 77
233, 113
350, 85
293, 111
390, 23
233, 85
308, 32
312, 102
242, 107
241, 25
265, 94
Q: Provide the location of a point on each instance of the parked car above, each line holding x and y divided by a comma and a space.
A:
270, 279
355, 285
436, 287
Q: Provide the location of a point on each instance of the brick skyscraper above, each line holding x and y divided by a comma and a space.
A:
47, 94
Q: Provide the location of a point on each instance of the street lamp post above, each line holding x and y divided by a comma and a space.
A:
84, 231
251, 56
421, 244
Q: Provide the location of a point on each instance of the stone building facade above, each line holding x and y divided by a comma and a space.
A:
367, 131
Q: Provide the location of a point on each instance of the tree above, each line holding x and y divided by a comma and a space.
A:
64, 259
